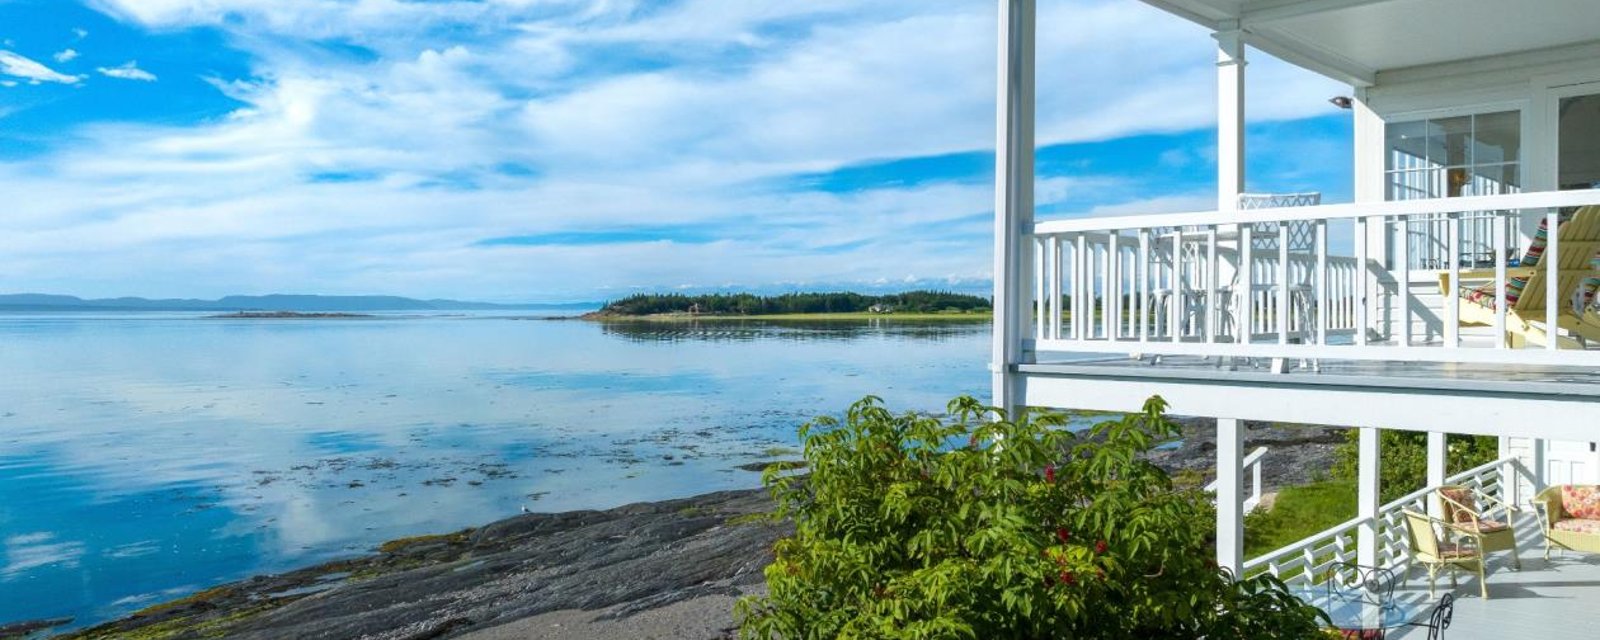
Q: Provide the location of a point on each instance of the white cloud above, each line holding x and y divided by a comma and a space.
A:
66, 55
127, 71
25, 552
17, 66
353, 175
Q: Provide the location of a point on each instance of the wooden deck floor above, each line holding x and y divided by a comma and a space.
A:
1555, 599
1466, 376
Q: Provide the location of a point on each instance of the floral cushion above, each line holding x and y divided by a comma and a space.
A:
1581, 501
1591, 527
1457, 551
1458, 505
1484, 526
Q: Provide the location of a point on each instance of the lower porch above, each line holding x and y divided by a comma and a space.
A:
1555, 596
1529, 406
1554, 599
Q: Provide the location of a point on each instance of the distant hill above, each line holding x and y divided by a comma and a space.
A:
746, 304
275, 302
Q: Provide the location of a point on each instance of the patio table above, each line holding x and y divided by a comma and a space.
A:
1360, 615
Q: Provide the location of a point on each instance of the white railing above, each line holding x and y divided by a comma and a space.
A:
1194, 284
1251, 465
1309, 559
1428, 239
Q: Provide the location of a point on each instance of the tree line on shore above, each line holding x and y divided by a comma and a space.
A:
746, 304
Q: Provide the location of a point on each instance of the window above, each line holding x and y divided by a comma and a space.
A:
1459, 156
1579, 164
1473, 155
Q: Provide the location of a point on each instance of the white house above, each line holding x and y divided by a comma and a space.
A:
1476, 121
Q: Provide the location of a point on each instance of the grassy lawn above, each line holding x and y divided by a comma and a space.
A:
1299, 512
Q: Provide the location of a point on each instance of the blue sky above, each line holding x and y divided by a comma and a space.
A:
582, 149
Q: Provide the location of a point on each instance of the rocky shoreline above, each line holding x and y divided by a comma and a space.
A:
623, 561
671, 568
1296, 454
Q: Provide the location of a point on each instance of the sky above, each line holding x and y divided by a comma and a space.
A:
564, 150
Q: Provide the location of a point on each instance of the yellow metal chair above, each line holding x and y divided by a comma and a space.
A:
1459, 505
1435, 554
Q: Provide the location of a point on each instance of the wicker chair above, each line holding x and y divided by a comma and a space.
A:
1459, 505
1435, 554
1569, 516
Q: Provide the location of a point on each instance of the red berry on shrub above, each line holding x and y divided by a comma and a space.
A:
1067, 577
1100, 546
1062, 534
1050, 474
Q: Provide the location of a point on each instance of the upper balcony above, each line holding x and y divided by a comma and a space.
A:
1465, 294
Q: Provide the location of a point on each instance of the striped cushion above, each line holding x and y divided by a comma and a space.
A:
1484, 294
1541, 241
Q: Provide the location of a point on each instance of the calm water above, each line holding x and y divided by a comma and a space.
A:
145, 457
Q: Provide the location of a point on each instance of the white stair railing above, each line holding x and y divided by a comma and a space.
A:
1305, 561
1252, 467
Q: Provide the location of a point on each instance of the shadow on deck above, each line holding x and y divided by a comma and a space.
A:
1553, 599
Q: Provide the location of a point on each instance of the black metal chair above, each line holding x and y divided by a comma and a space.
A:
1359, 583
1439, 620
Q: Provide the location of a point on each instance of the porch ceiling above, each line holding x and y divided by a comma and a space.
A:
1355, 40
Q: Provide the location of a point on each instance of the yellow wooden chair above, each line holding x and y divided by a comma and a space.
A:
1460, 506
1578, 239
1435, 554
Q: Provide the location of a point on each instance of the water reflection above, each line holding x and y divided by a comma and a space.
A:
803, 330
144, 457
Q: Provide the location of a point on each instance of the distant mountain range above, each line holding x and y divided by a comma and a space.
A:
275, 302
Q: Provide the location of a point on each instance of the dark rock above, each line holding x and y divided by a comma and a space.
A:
641, 555
27, 628
1296, 454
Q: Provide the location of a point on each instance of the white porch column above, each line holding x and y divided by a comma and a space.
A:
1230, 119
1374, 244
1230, 495
1367, 491
1438, 458
1013, 209
1541, 464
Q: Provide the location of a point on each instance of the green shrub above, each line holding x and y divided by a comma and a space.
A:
1405, 458
912, 526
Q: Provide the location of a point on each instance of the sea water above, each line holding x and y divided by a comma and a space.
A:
147, 456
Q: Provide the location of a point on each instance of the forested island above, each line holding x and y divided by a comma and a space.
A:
919, 303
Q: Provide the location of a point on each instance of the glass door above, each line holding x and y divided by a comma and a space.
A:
1578, 141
